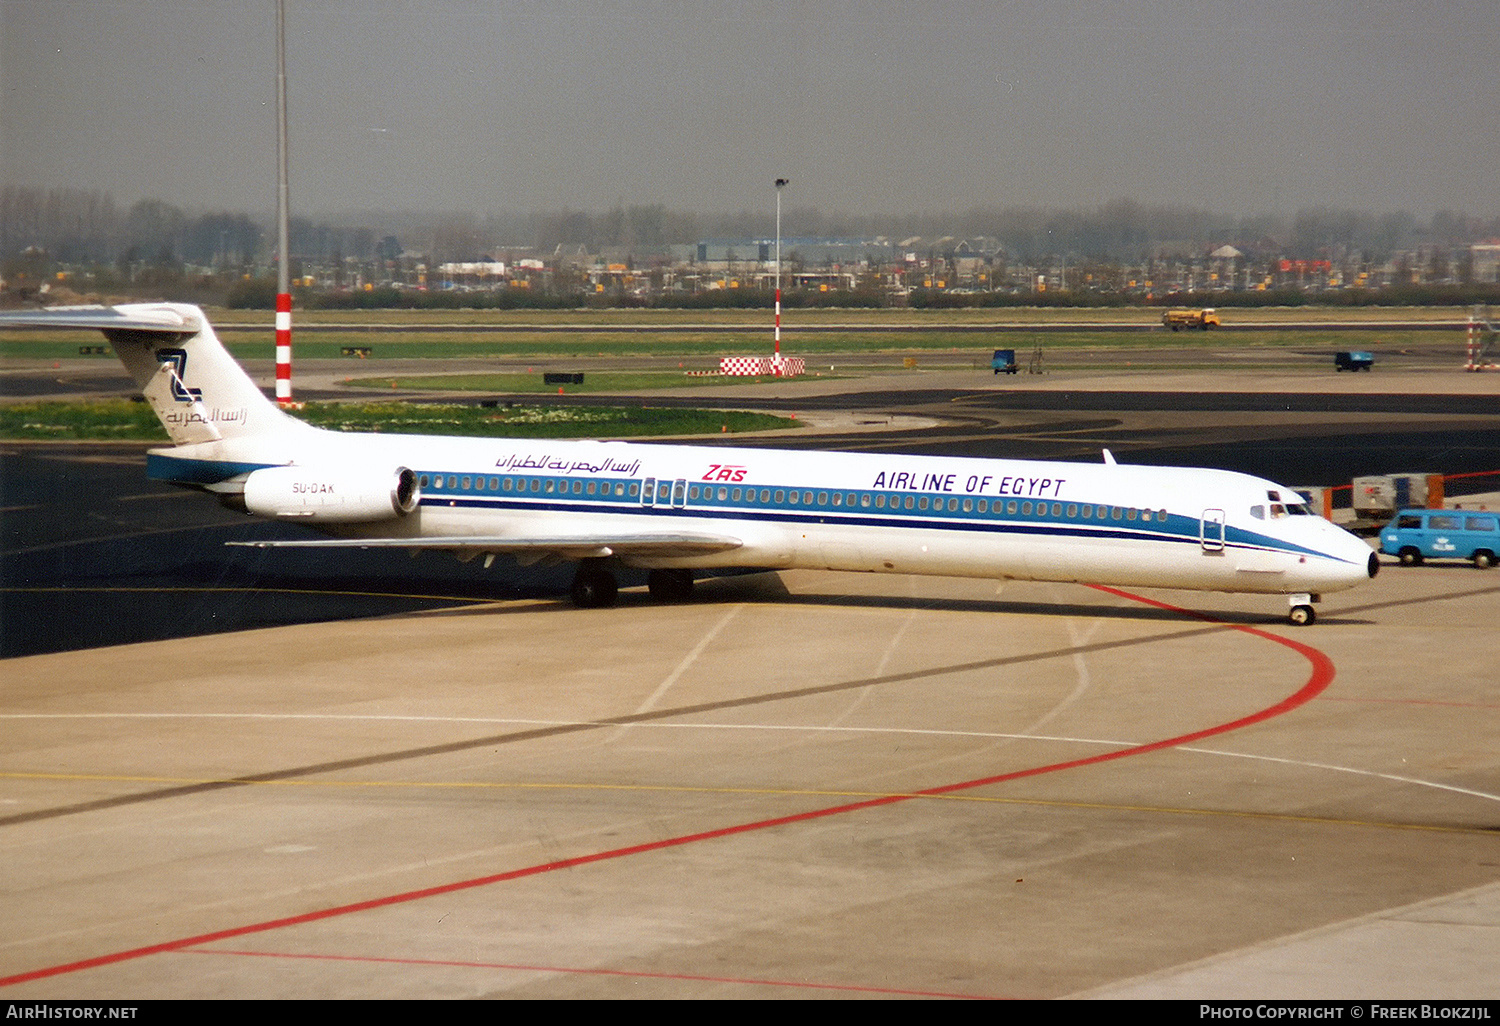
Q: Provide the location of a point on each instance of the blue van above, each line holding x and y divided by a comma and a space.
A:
1417, 534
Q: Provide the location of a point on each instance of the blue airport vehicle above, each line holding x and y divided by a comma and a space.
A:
1414, 535
1004, 361
1353, 361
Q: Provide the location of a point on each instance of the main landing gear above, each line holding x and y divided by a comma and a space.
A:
1301, 613
594, 586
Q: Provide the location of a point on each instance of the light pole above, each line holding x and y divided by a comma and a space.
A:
780, 184
283, 282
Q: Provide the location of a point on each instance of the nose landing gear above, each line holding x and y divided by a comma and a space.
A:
1301, 613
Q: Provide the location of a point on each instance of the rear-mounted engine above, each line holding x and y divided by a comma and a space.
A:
331, 496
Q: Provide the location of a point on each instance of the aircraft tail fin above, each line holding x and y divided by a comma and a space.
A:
198, 391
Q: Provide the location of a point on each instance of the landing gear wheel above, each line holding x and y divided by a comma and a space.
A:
670, 585
593, 587
1301, 616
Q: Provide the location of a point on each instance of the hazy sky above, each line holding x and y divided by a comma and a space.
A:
867, 106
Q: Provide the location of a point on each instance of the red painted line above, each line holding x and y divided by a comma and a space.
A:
1321, 676
746, 981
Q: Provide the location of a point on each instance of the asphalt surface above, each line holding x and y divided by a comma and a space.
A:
234, 774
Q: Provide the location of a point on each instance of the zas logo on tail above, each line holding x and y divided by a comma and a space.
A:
177, 360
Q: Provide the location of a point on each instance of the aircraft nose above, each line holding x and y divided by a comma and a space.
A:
1354, 561
1364, 563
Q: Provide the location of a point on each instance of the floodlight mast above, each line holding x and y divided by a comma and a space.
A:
780, 184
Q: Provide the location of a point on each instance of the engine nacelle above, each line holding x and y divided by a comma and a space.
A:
332, 495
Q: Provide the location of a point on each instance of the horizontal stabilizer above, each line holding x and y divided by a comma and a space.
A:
567, 546
131, 317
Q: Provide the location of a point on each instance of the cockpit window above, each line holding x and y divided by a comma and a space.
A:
1258, 512
1277, 510
1297, 509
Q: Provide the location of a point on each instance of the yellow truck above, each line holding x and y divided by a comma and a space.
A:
1179, 319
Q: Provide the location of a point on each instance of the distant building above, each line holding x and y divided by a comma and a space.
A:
809, 252
1485, 258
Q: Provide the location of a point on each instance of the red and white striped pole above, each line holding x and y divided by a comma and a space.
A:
283, 348
283, 271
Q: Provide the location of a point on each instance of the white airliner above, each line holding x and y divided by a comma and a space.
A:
674, 509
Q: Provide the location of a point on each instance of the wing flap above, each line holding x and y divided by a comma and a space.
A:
683, 544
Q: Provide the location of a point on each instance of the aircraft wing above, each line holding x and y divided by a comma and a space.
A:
570, 546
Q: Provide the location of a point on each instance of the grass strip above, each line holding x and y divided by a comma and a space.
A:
124, 420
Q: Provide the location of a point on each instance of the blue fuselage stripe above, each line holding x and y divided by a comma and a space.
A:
1176, 529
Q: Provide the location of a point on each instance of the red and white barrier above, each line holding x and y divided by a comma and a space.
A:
751, 366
